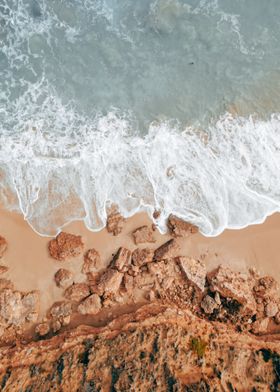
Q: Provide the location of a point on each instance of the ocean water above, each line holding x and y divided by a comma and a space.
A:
170, 105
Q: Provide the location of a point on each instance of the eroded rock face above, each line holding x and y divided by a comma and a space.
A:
66, 246
42, 329
76, 292
142, 256
208, 304
92, 262
109, 282
115, 223
143, 234
63, 278
91, 305
121, 260
167, 251
60, 311
3, 246
234, 285
194, 270
180, 228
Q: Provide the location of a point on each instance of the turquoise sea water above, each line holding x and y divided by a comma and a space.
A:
151, 104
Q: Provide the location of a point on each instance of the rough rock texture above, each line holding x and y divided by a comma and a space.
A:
154, 349
65, 246
63, 278
3, 246
143, 234
3, 269
42, 329
121, 260
92, 262
76, 292
109, 282
234, 285
194, 270
91, 305
180, 228
168, 250
60, 313
115, 223
142, 256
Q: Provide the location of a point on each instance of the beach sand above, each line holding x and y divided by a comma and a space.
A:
31, 267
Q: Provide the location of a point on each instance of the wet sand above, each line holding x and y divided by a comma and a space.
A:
31, 268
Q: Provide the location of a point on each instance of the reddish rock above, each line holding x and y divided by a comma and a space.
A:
109, 281
115, 223
3, 269
56, 325
194, 271
234, 285
3, 246
265, 286
92, 262
31, 305
65, 246
76, 292
142, 256
271, 309
60, 310
6, 284
91, 305
121, 260
128, 283
260, 326
180, 228
42, 329
143, 234
63, 278
168, 250
208, 304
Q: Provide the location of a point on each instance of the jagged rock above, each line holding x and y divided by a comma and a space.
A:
42, 329
265, 286
234, 285
91, 305
180, 228
208, 304
109, 282
142, 256
277, 318
115, 223
56, 325
65, 246
92, 262
63, 278
121, 260
76, 292
271, 309
143, 234
3, 246
168, 250
6, 284
3, 269
31, 304
61, 310
128, 283
260, 326
194, 270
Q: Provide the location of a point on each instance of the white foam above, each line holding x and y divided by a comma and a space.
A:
226, 176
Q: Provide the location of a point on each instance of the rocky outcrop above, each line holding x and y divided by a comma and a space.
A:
194, 270
143, 234
115, 223
92, 262
169, 249
180, 228
63, 278
66, 246
157, 348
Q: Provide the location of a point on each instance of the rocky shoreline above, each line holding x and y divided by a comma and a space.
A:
223, 322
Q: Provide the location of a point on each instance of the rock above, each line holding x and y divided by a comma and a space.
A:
90, 305
208, 304
11, 309
234, 285
194, 271
60, 310
143, 234
142, 256
42, 329
168, 250
31, 304
265, 286
6, 284
271, 309
65, 246
180, 228
56, 325
76, 292
260, 326
128, 283
121, 260
3, 269
92, 262
277, 318
63, 278
3, 246
115, 223
109, 281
